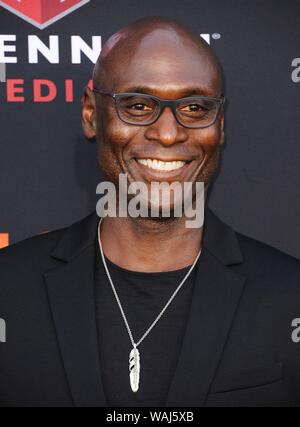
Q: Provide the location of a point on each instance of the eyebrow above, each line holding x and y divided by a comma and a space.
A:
187, 91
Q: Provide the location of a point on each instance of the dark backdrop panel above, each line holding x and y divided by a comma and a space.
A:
49, 172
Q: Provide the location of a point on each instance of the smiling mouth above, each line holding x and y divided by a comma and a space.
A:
160, 165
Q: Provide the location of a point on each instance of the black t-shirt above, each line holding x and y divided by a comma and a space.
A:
142, 296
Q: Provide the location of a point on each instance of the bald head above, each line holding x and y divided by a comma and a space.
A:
145, 36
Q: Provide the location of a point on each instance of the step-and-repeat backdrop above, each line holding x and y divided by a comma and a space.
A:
48, 171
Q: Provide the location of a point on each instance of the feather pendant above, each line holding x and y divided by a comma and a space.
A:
134, 369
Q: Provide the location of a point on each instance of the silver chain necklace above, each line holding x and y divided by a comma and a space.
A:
134, 356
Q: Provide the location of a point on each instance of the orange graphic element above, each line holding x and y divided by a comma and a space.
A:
4, 240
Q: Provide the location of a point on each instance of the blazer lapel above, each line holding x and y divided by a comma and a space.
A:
71, 295
215, 301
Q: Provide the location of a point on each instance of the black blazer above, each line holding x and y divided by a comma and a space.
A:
237, 349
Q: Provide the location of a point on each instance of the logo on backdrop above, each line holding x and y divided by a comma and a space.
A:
43, 89
42, 13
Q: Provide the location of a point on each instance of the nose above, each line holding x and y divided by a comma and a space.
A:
166, 129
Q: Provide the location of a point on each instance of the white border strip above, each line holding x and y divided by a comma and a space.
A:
47, 23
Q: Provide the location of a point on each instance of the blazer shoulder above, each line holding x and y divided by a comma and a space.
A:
23, 264
267, 260
35, 248
36, 244
258, 248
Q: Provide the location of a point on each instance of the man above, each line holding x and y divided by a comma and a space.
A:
96, 321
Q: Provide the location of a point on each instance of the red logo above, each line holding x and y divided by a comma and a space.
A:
42, 13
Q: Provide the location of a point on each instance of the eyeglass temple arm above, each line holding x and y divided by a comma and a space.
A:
102, 93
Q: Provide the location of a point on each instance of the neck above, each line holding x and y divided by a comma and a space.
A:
150, 245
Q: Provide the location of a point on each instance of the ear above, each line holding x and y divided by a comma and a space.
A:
88, 113
222, 138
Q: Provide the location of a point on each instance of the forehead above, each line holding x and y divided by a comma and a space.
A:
166, 63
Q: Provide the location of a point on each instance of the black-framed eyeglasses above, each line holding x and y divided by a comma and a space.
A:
143, 109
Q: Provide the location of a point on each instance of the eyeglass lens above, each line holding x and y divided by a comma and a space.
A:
191, 111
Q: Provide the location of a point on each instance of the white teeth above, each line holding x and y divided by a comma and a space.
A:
159, 165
